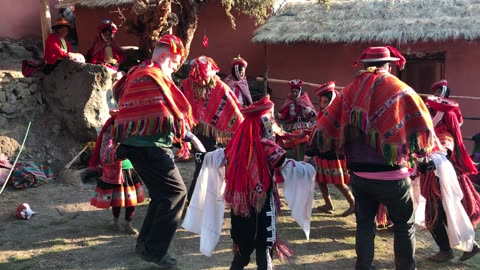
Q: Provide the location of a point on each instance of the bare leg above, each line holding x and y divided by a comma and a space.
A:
350, 199
328, 206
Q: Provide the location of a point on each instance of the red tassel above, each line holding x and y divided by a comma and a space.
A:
281, 250
205, 41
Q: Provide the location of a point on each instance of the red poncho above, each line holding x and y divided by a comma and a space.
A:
248, 175
392, 116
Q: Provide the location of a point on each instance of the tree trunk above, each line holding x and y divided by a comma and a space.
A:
187, 22
45, 18
150, 22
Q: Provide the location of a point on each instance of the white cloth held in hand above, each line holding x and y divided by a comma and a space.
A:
461, 233
206, 209
298, 191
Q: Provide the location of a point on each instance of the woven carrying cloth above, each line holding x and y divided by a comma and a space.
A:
146, 111
215, 108
370, 105
240, 88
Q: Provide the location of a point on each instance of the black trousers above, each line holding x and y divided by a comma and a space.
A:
439, 231
253, 233
210, 145
396, 195
167, 192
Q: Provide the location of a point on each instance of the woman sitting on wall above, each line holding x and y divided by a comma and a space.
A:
105, 50
57, 47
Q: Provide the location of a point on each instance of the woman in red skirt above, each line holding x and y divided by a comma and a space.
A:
119, 186
331, 167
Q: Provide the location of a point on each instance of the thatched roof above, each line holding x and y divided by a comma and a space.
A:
92, 3
364, 21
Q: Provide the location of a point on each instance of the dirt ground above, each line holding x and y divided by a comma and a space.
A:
68, 233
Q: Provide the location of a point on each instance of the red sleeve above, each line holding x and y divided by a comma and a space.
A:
53, 49
95, 58
284, 113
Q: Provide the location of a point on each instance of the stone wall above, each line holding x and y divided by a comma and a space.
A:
65, 108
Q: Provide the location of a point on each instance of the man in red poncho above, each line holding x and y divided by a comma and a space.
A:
379, 123
152, 114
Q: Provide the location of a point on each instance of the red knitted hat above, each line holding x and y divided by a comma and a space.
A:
176, 44
203, 67
380, 54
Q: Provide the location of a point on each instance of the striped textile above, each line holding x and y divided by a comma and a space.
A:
393, 117
30, 174
218, 108
150, 104
127, 194
331, 171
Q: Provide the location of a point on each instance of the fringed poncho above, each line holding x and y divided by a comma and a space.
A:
393, 117
215, 108
146, 108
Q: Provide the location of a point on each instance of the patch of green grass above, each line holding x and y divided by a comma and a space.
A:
16, 259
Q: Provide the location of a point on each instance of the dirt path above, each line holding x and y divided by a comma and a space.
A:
67, 233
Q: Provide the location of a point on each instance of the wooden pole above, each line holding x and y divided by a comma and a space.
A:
46, 19
341, 87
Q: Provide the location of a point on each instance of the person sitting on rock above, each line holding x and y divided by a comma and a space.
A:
105, 50
57, 47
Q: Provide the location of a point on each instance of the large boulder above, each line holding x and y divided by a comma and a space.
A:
76, 94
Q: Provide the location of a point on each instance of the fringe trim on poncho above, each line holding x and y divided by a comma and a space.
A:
370, 105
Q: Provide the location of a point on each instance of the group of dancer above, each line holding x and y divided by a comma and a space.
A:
375, 134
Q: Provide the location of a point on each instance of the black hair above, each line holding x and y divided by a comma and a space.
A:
107, 29
327, 95
447, 93
56, 27
376, 64
234, 73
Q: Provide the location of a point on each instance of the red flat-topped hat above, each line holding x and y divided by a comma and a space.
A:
381, 54
295, 83
439, 84
239, 61
325, 88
